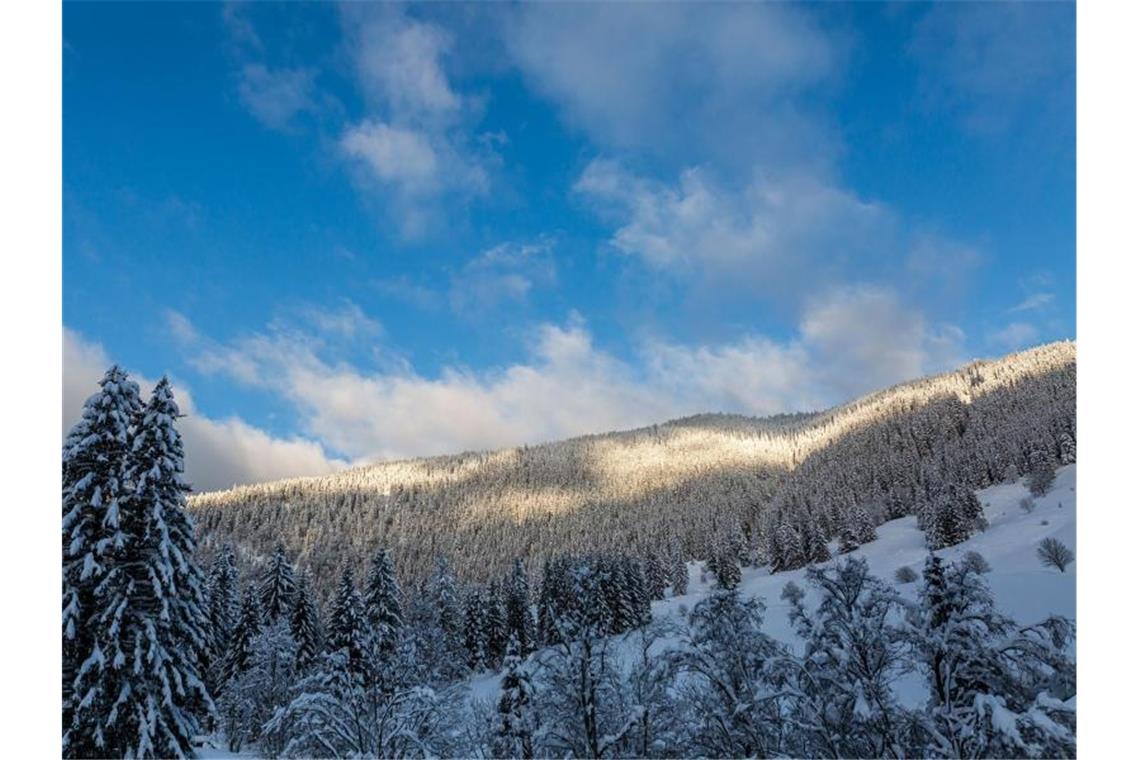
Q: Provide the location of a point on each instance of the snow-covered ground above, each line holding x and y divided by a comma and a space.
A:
1023, 588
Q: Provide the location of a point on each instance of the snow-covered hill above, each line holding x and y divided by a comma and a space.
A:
669, 488
1023, 588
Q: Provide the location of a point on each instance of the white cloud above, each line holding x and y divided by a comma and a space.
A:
414, 142
402, 157
871, 340
399, 63
506, 273
276, 96
776, 234
849, 342
219, 453
671, 77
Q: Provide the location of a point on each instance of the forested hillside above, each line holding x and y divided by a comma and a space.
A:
772, 489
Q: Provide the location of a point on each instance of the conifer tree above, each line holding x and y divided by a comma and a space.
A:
1041, 472
678, 573
495, 633
815, 545
475, 629
248, 626
278, 585
656, 576
151, 625
515, 735
635, 601
224, 602
382, 603
546, 610
346, 629
305, 624
519, 622
449, 612
94, 455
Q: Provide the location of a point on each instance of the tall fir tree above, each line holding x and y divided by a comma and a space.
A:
249, 625
449, 614
656, 576
151, 624
475, 629
678, 572
278, 585
346, 628
495, 633
383, 603
224, 601
93, 489
520, 622
515, 735
305, 624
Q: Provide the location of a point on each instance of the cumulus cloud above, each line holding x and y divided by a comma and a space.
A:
850, 341
276, 96
776, 234
399, 63
219, 453
414, 143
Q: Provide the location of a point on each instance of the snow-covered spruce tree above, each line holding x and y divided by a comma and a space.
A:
729, 687
347, 627
951, 516
545, 628
278, 585
678, 572
1042, 472
656, 576
996, 689
383, 603
475, 629
814, 542
516, 719
248, 626
224, 607
724, 567
94, 455
851, 655
305, 625
635, 605
520, 622
786, 549
150, 621
449, 614
495, 633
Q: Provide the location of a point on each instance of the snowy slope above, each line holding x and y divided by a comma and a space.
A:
1023, 588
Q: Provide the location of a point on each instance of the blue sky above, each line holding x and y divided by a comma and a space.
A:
351, 232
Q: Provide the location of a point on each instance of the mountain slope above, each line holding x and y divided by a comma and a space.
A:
677, 484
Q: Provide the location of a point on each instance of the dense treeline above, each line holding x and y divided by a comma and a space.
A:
686, 484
